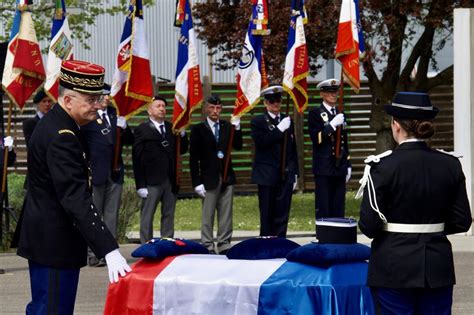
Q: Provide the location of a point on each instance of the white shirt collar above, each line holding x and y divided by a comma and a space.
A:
272, 115
328, 107
157, 124
101, 112
411, 140
211, 122
39, 114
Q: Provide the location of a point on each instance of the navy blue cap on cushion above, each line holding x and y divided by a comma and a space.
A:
411, 105
159, 248
336, 230
329, 254
265, 247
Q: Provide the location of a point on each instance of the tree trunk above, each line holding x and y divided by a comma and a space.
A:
379, 120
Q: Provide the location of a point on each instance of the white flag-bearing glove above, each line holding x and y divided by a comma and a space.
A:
200, 190
142, 192
295, 183
284, 124
337, 121
8, 142
182, 133
116, 265
236, 123
121, 122
349, 173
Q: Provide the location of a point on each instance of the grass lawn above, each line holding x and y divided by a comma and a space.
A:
246, 215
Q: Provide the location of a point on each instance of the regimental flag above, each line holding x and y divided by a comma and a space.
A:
260, 17
180, 8
24, 71
251, 75
296, 63
350, 43
266, 286
60, 49
132, 86
188, 88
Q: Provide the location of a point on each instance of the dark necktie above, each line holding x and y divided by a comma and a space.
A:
162, 130
106, 121
216, 131
333, 111
277, 119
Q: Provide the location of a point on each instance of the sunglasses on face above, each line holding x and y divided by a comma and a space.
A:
274, 100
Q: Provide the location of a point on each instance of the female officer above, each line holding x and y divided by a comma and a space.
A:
413, 197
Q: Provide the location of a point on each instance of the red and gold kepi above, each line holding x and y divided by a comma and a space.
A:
82, 76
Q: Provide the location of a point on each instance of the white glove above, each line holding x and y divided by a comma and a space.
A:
121, 122
142, 192
349, 173
8, 142
200, 190
337, 121
295, 183
182, 133
236, 123
284, 124
116, 265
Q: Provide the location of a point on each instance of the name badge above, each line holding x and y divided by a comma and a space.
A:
99, 121
220, 154
165, 143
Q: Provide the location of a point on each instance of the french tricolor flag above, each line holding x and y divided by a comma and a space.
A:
188, 87
350, 43
60, 49
24, 72
213, 284
132, 86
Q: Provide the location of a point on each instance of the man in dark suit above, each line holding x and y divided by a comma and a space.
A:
275, 181
43, 104
208, 150
59, 219
101, 136
154, 165
330, 175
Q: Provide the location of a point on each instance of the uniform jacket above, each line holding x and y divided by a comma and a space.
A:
59, 220
101, 147
206, 167
268, 141
415, 185
28, 127
154, 156
323, 137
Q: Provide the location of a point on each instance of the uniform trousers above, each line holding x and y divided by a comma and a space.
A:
158, 193
53, 291
330, 196
220, 202
274, 203
419, 301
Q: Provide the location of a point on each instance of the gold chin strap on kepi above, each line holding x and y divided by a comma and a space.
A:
367, 179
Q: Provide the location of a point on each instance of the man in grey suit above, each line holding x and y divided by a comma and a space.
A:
208, 148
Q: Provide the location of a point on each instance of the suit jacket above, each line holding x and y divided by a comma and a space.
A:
101, 147
206, 167
28, 127
154, 156
415, 185
59, 219
323, 137
268, 141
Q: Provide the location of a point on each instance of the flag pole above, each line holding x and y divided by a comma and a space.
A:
118, 143
5, 151
340, 108
178, 160
285, 142
228, 153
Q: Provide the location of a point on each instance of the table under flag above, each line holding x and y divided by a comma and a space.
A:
213, 284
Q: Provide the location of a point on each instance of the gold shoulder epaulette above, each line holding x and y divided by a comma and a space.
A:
66, 131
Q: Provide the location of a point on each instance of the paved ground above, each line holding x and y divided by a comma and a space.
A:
15, 288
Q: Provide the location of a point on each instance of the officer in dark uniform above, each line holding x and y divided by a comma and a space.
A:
330, 175
59, 219
43, 105
275, 187
413, 197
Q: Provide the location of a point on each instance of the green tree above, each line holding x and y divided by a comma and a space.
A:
80, 14
416, 28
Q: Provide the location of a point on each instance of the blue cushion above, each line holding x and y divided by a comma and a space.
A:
329, 254
160, 248
262, 248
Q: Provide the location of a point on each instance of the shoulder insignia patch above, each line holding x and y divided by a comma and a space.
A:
66, 131
376, 158
452, 153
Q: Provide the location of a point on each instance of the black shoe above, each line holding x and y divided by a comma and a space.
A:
102, 263
93, 261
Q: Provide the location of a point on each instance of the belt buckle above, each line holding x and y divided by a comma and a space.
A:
165, 143
105, 131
